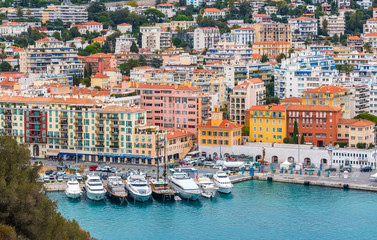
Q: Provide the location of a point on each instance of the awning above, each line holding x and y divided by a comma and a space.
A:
69, 154
52, 152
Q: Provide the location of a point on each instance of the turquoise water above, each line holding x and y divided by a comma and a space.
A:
255, 210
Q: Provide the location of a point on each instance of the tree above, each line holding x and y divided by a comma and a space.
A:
5, 67
134, 48
132, 4
126, 67
153, 14
181, 17
272, 99
280, 57
245, 130
367, 116
367, 47
20, 12
97, 88
346, 68
56, 35
23, 206
156, 62
360, 145
302, 139
264, 58
325, 23
295, 133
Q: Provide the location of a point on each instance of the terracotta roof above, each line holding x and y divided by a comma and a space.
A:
246, 29
292, 99
303, 18
372, 19
212, 10
324, 108
100, 55
202, 71
356, 122
347, 9
177, 134
81, 101
256, 56
373, 34
165, 4
354, 37
124, 24
270, 107
100, 38
117, 109
261, 15
225, 124
99, 75
327, 89
92, 23
271, 42
112, 69
255, 80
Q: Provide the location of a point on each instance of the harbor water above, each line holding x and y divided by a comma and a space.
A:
254, 210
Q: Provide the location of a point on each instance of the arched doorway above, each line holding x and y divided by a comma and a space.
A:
324, 162
291, 159
275, 159
36, 150
307, 162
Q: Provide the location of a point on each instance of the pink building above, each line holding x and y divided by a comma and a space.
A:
173, 107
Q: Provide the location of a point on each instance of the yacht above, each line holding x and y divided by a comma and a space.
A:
138, 188
223, 182
94, 188
115, 189
73, 189
161, 190
208, 187
185, 186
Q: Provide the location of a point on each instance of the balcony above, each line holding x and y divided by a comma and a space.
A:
34, 122
78, 116
100, 118
78, 123
64, 136
8, 113
99, 124
78, 130
114, 146
63, 123
8, 120
100, 145
64, 129
113, 118
99, 131
114, 125
114, 133
100, 139
63, 116
114, 140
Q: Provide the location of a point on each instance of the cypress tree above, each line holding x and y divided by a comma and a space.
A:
295, 133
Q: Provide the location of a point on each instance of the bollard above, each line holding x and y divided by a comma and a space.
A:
262, 168
328, 173
291, 170
300, 171
259, 169
243, 170
282, 170
252, 171
319, 173
320, 167
310, 172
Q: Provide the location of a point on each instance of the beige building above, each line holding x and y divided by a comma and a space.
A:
99, 80
179, 144
335, 24
115, 76
155, 38
271, 31
356, 131
271, 48
246, 94
175, 25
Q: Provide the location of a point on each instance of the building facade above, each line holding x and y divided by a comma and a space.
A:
243, 36
356, 131
206, 37
271, 31
155, 38
271, 48
304, 27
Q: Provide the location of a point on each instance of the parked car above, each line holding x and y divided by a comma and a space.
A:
332, 169
49, 172
93, 167
60, 178
209, 163
51, 177
65, 177
46, 178
106, 169
78, 176
183, 162
60, 173
310, 169
366, 169
348, 169
115, 170
40, 178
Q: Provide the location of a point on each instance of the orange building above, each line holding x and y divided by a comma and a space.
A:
99, 62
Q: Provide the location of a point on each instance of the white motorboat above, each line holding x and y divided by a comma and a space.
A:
116, 189
209, 188
373, 177
138, 188
185, 186
223, 182
73, 189
94, 188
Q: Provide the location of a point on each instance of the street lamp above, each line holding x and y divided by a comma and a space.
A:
298, 147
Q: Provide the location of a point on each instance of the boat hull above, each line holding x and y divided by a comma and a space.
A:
96, 196
210, 191
116, 197
225, 190
189, 195
73, 195
162, 196
139, 197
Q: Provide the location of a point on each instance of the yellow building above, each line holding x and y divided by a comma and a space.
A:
356, 131
268, 123
219, 132
334, 96
179, 144
271, 48
99, 80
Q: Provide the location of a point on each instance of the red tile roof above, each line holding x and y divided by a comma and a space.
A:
373, 34
303, 18
356, 122
124, 24
327, 89
271, 42
92, 23
270, 107
225, 124
354, 38
164, 86
324, 108
244, 29
46, 100
177, 134
212, 10
292, 99
99, 75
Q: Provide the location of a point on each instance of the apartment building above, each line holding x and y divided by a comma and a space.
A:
124, 28
273, 48
261, 17
268, 123
49, 55
271, 31
206, 37
173, 107
219, 132
65, 127
334, 96
65, 12
12, 29
98, 62
370, 26
342, 4
335, 25
243, 36
304, 27
229, 53
317, 123
194, 3
124, 42
155, 38
356, 131
360, 96
246, 94
355, 43
373, 99
214, 13
168, 9
175, 25
371, 39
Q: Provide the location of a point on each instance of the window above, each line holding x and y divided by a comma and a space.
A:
203, 133
203, 141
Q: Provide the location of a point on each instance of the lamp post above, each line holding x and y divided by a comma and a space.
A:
375, 157
298, 148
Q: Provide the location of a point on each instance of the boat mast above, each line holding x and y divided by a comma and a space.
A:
158, 155
165, 160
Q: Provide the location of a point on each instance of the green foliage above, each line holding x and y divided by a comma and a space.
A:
360, 145
367, 116
153, 15
90, 49
270, 91
280, 57
134, 48
302, 141
264, 58
346, 68
295, 133
245, 130
7, 232
272, 99
22, 205
181, 17
286, 140
5, 67
97, 88
126, 67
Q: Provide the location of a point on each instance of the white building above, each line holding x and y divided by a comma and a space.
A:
373, 99
124, 27
213, 13
243, 36
271, 10
155, 38
304, 27
124, 43
194, 3
12, 29
364, 4
93, 26
168, 9
335, 24
371, 39
370, 26
344, 4
206, 37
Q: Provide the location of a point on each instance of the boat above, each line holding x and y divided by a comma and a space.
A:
116, 189
161, 190
185, 186
223, 182
94, 188
373, 177
73, 189
138, 188
209, 188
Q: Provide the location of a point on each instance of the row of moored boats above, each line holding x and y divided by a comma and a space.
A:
141, 190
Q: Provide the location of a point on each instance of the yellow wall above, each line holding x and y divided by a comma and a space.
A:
211, 137
266, 128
